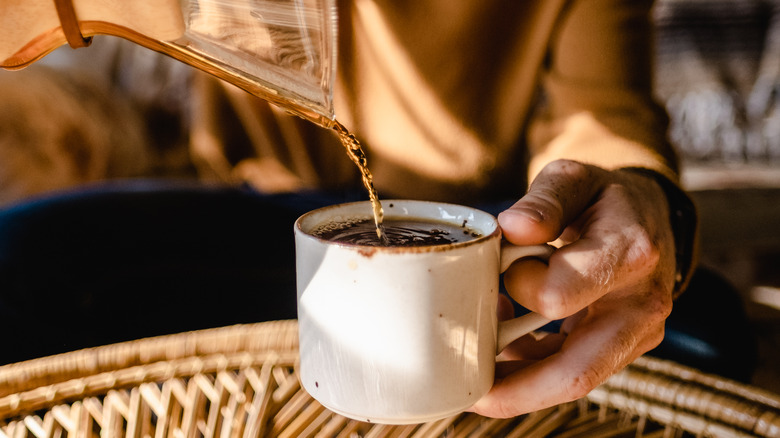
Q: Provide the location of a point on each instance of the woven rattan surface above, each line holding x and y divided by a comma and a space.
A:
241, 381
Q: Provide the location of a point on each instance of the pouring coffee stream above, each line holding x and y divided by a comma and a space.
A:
358, 156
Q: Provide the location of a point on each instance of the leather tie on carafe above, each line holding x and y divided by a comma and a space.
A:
70, 24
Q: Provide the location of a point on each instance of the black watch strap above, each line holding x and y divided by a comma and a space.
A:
684, 221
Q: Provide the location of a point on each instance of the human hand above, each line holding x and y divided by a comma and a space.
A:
612, 280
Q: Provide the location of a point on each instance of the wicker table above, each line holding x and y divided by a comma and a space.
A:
241, 381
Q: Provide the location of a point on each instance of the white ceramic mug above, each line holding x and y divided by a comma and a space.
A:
402, 335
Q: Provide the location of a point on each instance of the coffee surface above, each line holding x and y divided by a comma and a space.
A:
398, 232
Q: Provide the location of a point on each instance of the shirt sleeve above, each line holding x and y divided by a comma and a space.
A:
597, 105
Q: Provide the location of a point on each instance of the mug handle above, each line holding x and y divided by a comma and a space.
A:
512, 329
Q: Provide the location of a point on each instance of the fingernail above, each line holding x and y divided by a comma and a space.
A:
528, 213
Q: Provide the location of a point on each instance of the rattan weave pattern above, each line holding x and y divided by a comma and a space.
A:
241, 381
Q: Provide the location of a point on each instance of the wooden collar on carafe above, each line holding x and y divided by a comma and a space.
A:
70, 24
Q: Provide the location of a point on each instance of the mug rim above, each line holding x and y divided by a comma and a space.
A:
388, 203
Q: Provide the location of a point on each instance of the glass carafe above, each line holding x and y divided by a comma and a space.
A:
283, 51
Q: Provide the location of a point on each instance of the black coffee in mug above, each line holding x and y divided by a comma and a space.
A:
398, 231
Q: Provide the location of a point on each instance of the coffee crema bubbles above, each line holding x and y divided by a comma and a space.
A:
398, 232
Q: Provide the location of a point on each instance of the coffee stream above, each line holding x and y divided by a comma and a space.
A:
356, 154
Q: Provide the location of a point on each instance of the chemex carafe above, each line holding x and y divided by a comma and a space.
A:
283, 51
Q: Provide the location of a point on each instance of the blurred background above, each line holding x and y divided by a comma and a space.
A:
718, 74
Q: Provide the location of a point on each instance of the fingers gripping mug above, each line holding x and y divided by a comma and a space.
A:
397, 334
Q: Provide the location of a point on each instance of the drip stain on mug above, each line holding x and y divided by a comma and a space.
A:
398, 231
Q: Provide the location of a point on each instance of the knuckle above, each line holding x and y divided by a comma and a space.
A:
552, 304
645, 252
656, 338
546, 201
660, 304
505, 409
579, 385
498, 405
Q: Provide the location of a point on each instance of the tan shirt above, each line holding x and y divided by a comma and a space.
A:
456, 100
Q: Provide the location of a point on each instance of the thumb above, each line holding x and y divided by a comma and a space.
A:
557, 196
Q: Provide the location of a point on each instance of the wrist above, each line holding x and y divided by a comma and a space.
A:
683, 220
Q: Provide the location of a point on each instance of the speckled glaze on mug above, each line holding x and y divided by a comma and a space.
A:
402, 335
